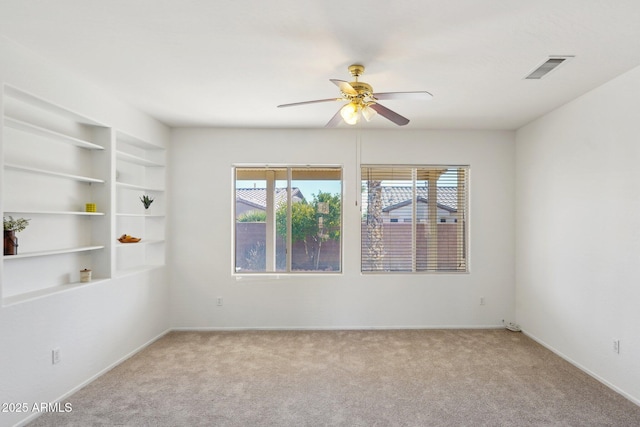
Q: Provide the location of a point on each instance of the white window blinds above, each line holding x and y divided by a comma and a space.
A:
414, 218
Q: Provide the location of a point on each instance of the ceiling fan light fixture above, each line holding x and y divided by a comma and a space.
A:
360, 98
368, 113
349, 113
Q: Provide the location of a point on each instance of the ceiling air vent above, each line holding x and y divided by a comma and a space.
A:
548, 66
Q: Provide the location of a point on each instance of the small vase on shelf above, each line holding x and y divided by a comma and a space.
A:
11, 227
85, 275
10, 242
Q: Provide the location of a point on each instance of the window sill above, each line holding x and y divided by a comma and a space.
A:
279, 276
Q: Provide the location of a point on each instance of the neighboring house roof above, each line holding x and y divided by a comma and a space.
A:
397, 197
392, 197
257, 197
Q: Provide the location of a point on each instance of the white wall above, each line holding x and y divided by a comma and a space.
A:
578, 235
94, 326
201, 223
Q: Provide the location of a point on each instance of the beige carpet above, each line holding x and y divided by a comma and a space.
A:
346, 378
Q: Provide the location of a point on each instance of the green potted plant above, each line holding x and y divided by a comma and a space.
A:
11, 227
146, 201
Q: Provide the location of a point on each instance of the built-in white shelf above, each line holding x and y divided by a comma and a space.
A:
40, 293
53, 173
121, 155
137, 215
38, 130
138, 187
140, 167
47, 105
41, 212
45, 142
140, 243
52, 252
137, 142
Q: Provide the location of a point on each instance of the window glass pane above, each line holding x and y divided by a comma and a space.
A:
436, 240
414, 219
316, 212
257, 192
273, 235
251, 231
387, 221
449, 253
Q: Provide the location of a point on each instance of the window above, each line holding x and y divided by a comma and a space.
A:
414, 219
288, 219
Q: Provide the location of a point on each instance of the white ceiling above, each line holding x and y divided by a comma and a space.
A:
228, 63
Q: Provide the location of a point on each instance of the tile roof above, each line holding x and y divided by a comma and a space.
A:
258, 196
395, 197
392, 197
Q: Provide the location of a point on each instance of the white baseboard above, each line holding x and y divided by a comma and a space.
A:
328, 328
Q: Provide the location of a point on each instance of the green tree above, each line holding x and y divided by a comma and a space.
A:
312, 223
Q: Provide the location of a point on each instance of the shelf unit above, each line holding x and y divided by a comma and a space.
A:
29, 296
53, 252
54, 161
48, 133
53, 173
36, 212
140, 170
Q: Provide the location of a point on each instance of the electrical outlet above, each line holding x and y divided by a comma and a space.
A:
219, 300
616, 346
55, 356
481, 300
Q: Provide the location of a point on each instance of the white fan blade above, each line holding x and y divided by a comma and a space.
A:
421, 95
335, 120
309, 102
391, 115
345, 87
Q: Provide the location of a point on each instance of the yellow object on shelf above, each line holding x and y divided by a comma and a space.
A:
125, 238
90, 207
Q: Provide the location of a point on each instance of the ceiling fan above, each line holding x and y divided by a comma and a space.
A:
362, 101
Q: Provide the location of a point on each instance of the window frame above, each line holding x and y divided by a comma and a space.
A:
462, 226
290, 168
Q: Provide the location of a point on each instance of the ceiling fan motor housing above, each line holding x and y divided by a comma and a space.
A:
356, 70
362, 88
